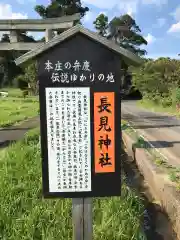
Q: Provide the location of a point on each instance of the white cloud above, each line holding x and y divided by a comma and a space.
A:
175, 28
6, 12
150, 38
90, 17
36, 35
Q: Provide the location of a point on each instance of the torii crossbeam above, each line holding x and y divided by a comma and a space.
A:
48, 25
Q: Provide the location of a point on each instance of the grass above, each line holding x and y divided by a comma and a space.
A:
14, 108
24, 214
174, 175
159, 161
12, 92
148, 104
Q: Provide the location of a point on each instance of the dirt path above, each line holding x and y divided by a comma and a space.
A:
15, 133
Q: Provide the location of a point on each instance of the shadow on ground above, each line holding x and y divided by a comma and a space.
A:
156, 122
134, 95
157, 144
15, 129
6, 143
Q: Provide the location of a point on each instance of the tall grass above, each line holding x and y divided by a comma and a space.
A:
167, 103
24, 214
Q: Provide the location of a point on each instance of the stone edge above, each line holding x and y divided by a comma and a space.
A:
160, 189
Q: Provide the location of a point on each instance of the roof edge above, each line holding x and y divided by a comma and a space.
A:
129, 57
111, 45
38, 50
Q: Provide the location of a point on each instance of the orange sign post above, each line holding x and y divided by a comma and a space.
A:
104, 129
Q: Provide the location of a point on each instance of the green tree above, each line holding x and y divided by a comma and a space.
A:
28, 80
101, 24
127, 34
158, 79
59, 8
8, 68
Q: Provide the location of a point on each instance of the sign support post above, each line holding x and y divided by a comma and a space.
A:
82, 218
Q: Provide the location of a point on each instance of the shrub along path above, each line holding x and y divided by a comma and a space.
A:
15, 133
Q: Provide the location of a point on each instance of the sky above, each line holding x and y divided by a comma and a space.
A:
159, 20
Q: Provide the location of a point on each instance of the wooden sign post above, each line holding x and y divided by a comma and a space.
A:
80, 117
82, 218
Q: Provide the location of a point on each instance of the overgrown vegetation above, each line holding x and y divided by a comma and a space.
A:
159, 82
28, 81
24, 214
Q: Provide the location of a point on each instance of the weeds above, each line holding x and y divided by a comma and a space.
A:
24, 214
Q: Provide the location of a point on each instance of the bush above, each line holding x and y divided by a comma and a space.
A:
159, 81
156, 98
21, 83
166, 102
28, 80
178, 95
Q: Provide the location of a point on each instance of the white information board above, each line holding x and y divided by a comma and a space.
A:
69, 139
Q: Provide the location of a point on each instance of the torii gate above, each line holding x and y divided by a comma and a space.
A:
48, 25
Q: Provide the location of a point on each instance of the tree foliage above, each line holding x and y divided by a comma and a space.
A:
28, 80
131, 38
123, 30
126, 33
59, 8
101, 24
158, 80
8, 68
